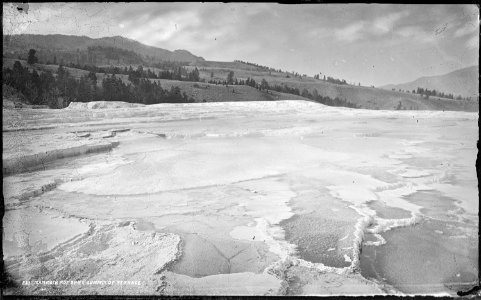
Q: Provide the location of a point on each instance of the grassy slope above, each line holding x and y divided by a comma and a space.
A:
220, 93
366, 97
204, 91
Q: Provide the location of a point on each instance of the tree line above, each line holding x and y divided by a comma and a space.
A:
178, 73
332, 79
259, 67
427, 93
264, 86
58, 89
96, 55
91, 55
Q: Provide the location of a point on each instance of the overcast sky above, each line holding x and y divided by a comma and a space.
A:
368, 43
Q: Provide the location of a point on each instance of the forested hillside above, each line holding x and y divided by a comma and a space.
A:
62, 69
64, 49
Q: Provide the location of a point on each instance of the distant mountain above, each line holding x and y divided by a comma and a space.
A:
69, 43
464, 82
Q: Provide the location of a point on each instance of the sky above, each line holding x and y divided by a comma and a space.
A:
374, 44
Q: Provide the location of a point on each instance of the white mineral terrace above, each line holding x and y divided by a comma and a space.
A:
256, 198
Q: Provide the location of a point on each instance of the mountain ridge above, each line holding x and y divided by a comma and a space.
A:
463, 82
74, 43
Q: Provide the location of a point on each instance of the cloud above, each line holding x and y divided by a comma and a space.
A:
367, 29
213, 32
473, 43
163, 28
465, 30
385, 24
319, 33
415, 34
350, 33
